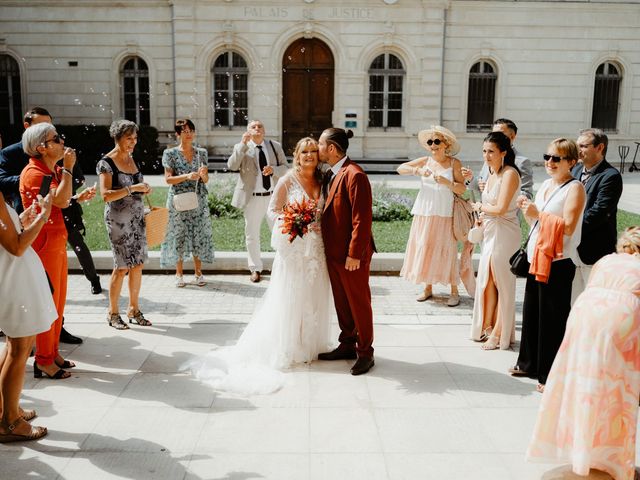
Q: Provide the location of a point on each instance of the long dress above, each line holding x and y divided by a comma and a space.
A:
432, 251
188, 232
124, 219
589, 410
292, 323
500, 240
26, 304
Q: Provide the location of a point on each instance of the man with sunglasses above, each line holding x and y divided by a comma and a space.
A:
603, 184
509, 128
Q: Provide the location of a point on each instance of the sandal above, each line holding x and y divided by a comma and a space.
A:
518, 372
34, 432
28, 414
59, 375
114, 320
491, 344
139, 319
540, 388
65, 364
484, 336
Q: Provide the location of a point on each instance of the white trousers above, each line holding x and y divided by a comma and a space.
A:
580, 281
254, 212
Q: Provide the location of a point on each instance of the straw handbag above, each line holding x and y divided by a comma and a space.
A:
156, 220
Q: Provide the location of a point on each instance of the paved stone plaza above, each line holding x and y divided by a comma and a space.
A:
435, 406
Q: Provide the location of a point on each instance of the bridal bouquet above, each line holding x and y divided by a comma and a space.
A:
297, 216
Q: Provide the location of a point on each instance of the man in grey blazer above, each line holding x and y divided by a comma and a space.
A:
261, 163
510, 129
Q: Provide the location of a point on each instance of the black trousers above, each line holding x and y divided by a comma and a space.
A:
76, 240
544, 319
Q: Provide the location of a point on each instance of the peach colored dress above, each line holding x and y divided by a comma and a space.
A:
588, 415
432, 251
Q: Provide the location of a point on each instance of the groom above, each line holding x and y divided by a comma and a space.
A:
348, 245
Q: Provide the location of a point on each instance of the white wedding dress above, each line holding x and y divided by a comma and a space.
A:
292, 323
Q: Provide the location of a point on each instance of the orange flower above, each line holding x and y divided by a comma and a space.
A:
297, 216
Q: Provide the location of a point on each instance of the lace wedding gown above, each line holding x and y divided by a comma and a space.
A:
292, 323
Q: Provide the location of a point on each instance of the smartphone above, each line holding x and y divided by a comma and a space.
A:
45, 186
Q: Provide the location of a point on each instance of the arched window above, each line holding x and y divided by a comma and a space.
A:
229, 90
10, 97
606, 95
134, 78
482, 95
386, 81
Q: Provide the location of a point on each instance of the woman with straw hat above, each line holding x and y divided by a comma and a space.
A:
432, 253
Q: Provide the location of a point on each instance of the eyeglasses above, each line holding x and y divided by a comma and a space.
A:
553, 158
56, 139
437, 141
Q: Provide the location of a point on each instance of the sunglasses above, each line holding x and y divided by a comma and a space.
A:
553, 158
56, 139
304, 152
437, 141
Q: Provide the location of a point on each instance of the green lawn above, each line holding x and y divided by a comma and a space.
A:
228, 233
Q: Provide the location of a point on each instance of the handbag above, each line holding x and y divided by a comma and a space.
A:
185, 201
155, 221
462, 218
519, 263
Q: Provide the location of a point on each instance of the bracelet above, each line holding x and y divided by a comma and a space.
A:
67, 171
128, 190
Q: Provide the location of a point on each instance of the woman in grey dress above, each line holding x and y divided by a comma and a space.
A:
122, 188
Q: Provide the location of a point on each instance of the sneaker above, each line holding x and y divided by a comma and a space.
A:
180, 281
199, 280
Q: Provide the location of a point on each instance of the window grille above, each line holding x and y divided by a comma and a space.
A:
606, 97
386, 83
229, 94
135, 91
481, 98
10, 96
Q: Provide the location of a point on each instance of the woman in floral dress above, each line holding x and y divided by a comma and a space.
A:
189, 232
589, 410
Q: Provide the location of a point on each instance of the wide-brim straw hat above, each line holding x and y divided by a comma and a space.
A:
424, 135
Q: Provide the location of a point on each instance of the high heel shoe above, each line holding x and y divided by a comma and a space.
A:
138, 317
65, 364
60, 374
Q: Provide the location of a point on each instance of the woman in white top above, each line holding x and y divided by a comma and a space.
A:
547, 305
494, 309
26, 309
432, 251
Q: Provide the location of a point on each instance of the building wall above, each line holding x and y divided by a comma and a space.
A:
546, 53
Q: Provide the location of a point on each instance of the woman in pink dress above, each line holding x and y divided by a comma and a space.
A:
589, 410
432, 251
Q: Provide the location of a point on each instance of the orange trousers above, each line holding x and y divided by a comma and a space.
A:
51, 247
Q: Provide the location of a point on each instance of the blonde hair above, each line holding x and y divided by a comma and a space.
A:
567, 148
629, 241
302, 143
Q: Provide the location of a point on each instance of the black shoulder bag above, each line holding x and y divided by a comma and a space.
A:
519, 262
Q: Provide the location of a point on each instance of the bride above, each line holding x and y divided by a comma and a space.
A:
292, 323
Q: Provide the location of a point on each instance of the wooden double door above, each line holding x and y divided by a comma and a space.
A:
307, 91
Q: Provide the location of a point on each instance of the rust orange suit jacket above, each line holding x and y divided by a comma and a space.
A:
347, 216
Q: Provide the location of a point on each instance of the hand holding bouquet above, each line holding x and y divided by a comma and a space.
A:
297, 216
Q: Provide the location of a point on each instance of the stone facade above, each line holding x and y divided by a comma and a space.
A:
545, 54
